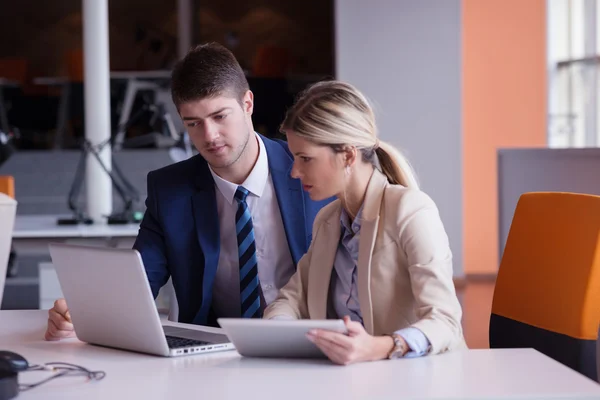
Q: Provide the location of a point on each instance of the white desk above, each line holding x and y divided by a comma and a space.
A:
474, 374
36, 226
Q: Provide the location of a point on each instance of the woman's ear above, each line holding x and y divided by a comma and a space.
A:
350, 155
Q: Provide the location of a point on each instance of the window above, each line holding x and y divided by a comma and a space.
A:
573, 73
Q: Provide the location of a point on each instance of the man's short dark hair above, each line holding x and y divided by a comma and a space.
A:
208, 70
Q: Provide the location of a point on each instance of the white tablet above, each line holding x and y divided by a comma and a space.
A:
277, 338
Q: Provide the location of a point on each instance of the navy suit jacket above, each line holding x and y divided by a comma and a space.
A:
179, 234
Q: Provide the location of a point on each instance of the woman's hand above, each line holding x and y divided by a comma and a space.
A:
357, 346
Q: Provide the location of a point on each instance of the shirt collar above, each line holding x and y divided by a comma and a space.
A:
345, 221
254, 183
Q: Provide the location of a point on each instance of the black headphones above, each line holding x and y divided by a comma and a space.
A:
12, 363
9, 384
10, 366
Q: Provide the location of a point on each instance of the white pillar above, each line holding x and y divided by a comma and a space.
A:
97, 106
184, 27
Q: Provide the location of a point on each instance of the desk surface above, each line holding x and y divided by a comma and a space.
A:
474, 374
45, 226
8, 82
51, 80
61, 80
154, 74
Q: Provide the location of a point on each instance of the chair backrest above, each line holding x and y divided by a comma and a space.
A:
74, 62
547, 293
15, 69
271, 62
7, 185
8, 210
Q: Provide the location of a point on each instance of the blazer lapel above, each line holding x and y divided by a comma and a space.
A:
204, 209
325, 247
368, 235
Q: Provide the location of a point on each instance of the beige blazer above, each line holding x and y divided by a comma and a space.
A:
404, 267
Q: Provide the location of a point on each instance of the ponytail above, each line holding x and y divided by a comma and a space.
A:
395, 166
336, 114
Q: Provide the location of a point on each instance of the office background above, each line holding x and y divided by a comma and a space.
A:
454, 83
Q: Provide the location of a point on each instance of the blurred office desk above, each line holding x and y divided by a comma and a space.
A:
135, 81
32, 233
475, 374
36, 284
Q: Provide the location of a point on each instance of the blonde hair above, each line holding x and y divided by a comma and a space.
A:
336, 114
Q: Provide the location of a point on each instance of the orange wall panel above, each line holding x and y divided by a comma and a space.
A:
504, 105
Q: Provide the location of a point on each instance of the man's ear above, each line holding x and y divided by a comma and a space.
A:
248, 102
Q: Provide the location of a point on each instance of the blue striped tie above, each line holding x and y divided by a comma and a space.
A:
249, 284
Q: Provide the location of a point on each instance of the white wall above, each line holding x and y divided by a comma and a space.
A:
405, 55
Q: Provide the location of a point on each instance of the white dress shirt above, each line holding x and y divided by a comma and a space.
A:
275, 264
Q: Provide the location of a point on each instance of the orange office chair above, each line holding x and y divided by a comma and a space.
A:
14, 69
74, 62
547, 293
7, 185
271, 62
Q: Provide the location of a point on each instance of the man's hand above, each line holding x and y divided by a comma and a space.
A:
59, 322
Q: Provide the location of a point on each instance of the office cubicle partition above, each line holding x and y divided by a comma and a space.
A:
534, 170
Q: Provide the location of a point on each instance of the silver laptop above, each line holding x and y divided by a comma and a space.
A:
277, 338
111, 304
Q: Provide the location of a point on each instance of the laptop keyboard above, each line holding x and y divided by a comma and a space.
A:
177, 342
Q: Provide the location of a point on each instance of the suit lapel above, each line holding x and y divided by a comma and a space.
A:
323, 254
368, 235
204, 210
290, 198
291, 207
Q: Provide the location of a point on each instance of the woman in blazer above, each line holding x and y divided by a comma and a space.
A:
379, 256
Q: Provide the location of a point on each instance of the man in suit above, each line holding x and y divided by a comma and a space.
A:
230, 224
